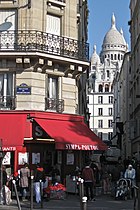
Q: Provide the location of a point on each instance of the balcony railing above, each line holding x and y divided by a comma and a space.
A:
7, 102
24, 40
53, 104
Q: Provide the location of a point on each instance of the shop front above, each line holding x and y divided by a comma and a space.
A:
46, 138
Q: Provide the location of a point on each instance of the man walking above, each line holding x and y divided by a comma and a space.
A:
89, 181
39, 178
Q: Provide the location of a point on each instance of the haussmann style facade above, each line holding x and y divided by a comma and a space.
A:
43, 63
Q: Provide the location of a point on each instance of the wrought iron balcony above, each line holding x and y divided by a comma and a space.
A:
7, 102
24, 40
53, 104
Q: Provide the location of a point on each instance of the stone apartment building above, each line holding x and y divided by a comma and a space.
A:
44, 62
128, 87
134, 72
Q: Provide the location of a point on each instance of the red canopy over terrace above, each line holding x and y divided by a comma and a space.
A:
12, 130
71, 134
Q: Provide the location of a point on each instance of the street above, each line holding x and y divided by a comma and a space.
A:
103, 202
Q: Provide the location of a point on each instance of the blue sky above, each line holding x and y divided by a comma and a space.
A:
100, 13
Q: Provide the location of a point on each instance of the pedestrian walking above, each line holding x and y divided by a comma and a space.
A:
130, 174
89, 182
24, 181
5, 191
39, 179
115, 176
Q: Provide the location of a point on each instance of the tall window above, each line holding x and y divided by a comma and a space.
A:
52, 91
100, 99
100, 123
110, 111
106, 88
53, 30
107, 72
7, 90
100, 111
7, 26
110, 99
6, 84
110, 135
53, 25
109, 123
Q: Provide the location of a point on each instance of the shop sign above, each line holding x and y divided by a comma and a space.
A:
80, 147
23, 89
38, 132
8, 149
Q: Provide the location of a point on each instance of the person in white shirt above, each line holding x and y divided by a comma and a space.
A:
130, 174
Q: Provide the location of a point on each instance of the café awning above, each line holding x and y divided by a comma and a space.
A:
12, 129
71, 134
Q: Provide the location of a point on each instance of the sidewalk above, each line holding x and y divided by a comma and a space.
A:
72, 202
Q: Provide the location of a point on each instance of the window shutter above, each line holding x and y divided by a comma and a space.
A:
53, 25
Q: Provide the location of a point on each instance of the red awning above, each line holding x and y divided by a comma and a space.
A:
12, 129
71, 135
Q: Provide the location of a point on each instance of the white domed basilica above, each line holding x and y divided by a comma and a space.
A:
103, 69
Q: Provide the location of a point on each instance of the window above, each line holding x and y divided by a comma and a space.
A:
109, 123
53, 30
110, 134
107, 72
100, 88
51, 101
53, 25
110, 111
106, 88
6, 90
52, 91
100, 111
7, 26
100, 99
6, 84
100, 134
110, 99
100, 123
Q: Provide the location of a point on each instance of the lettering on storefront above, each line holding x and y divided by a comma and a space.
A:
80, 147
38, 131
8, 149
